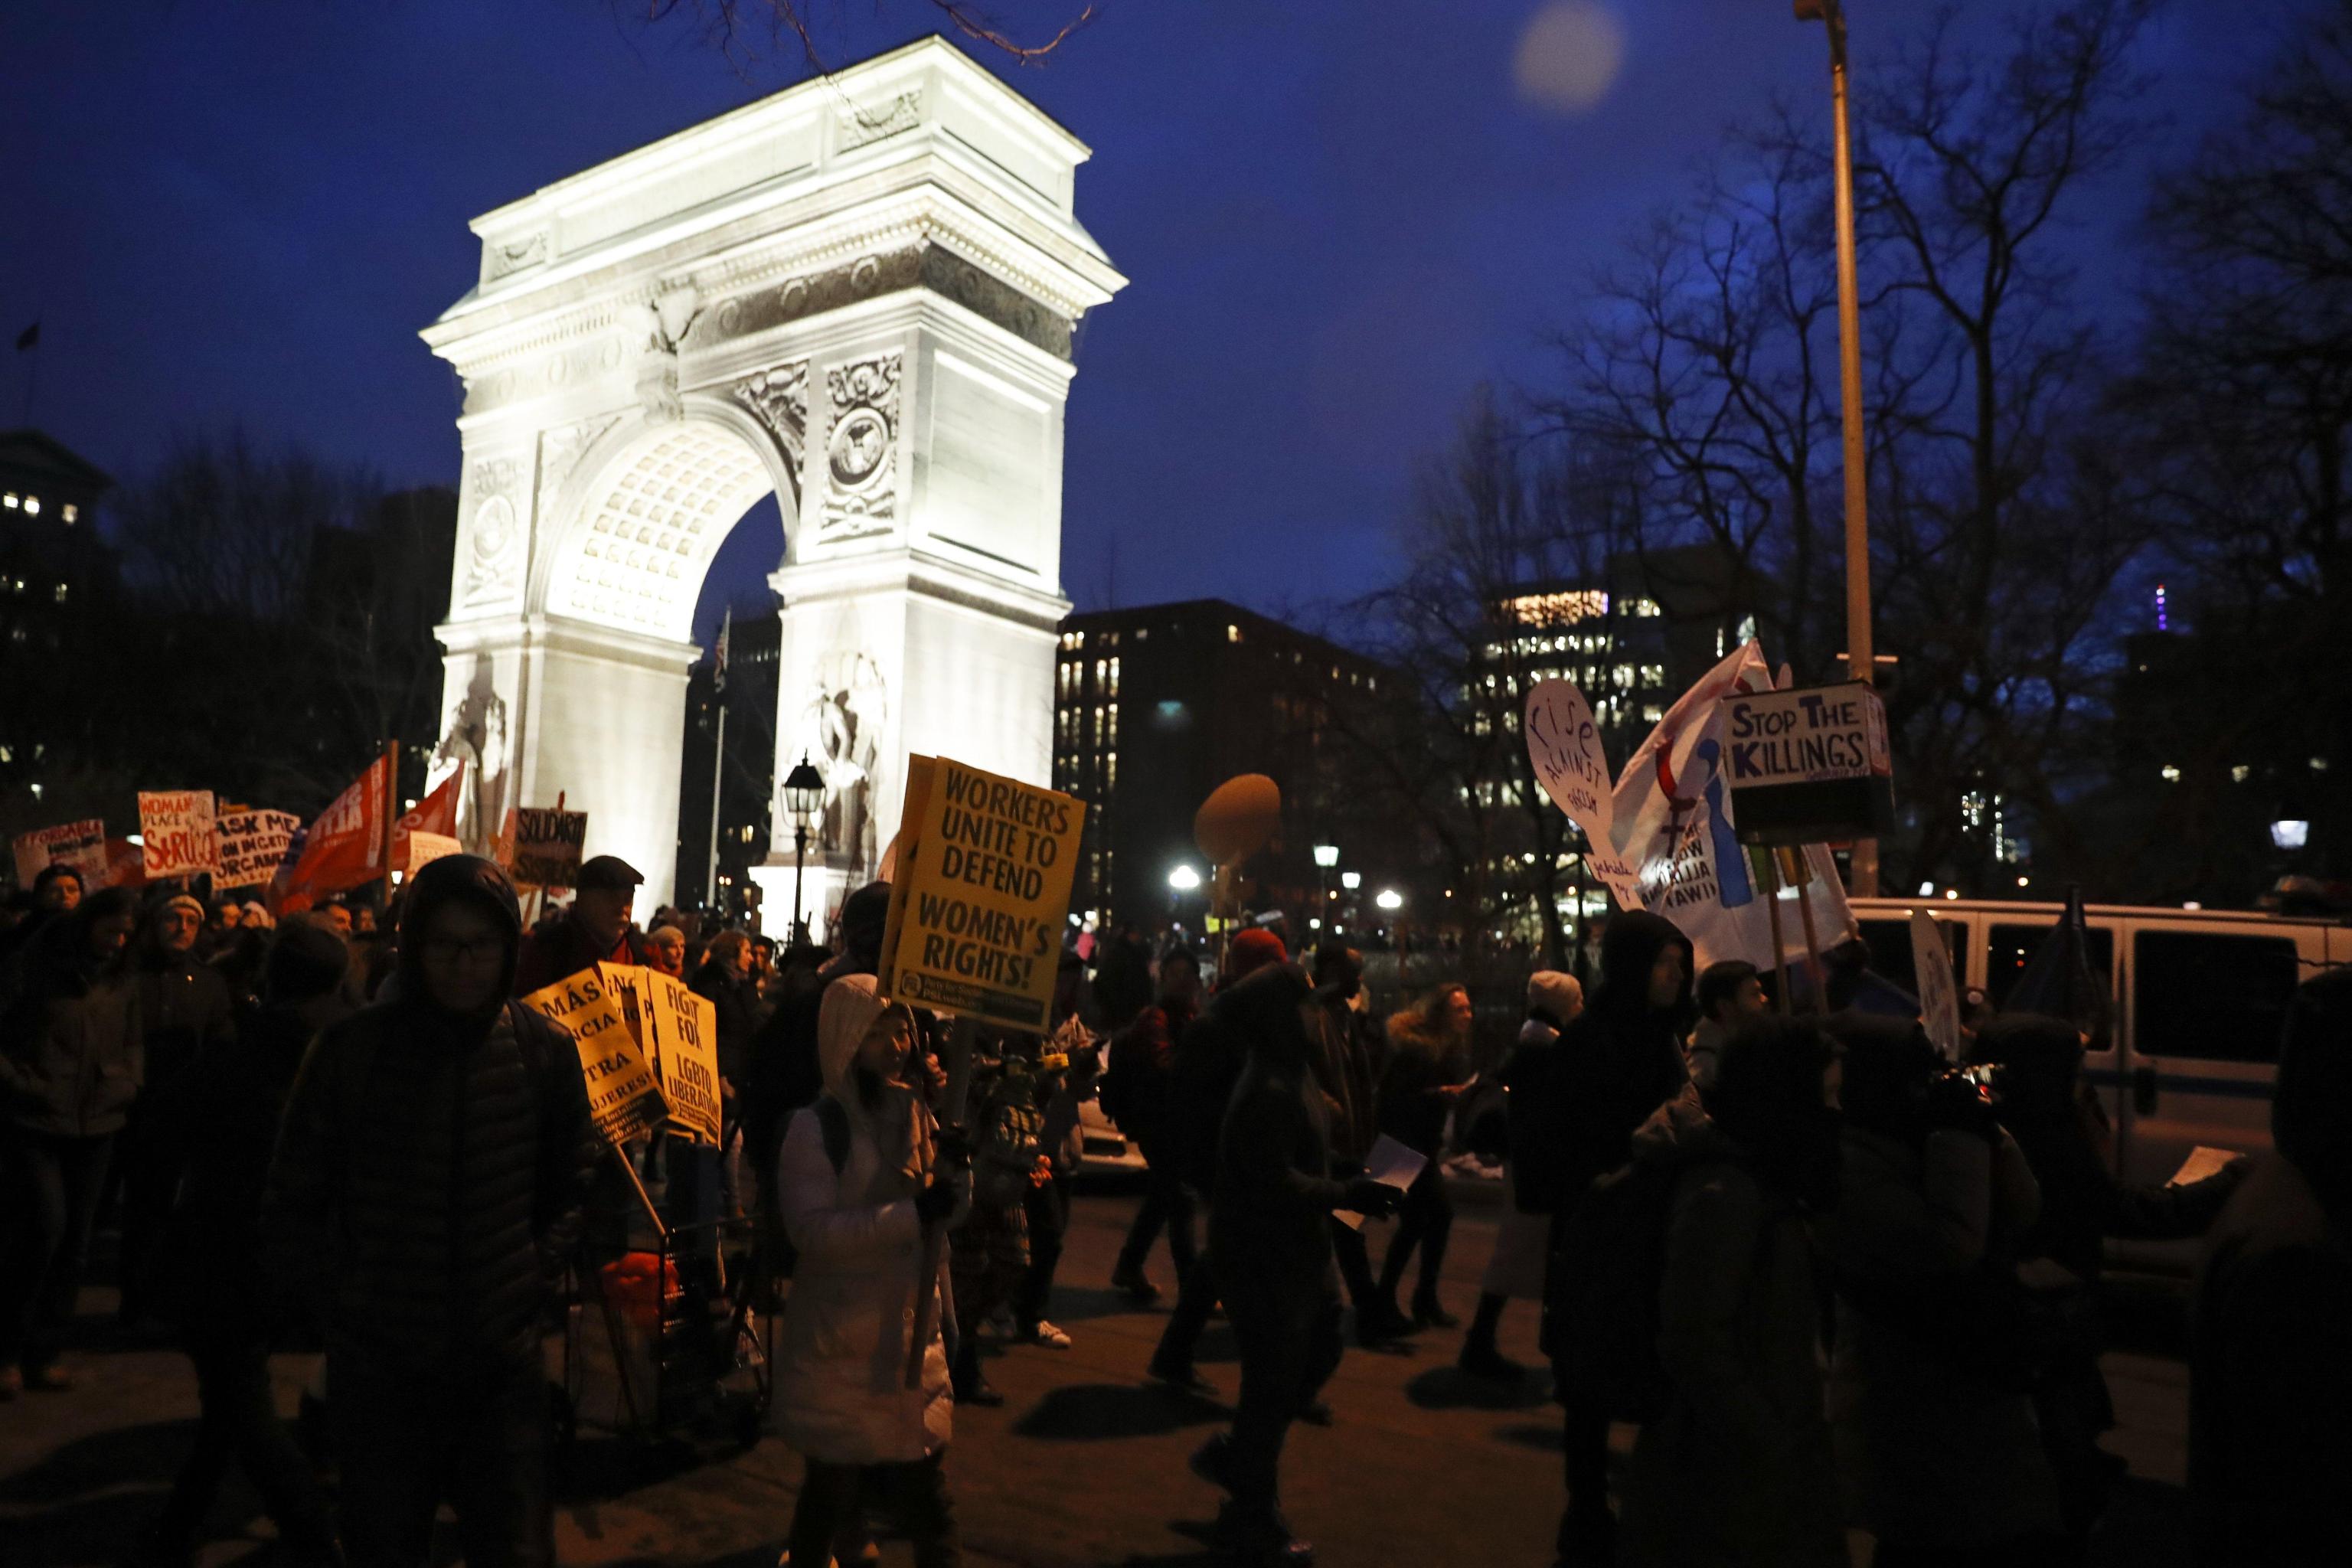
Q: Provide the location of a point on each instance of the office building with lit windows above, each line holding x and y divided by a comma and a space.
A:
1154, 707
57, 578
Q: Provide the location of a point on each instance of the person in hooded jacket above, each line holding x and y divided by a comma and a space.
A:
1522, 1241
1270, 1246
1136, 1092
183, 1012
1734, 1468
2270, 1368
1428, 1064
1208, 1062
864, 1192
215, 1278
71, 1063
1571, 1114
1344, 1055
2039, 1098
1930, 1413
427, 1193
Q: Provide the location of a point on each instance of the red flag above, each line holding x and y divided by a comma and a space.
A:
437, 812
344, 847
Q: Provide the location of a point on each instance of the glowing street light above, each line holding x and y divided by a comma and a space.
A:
1327, 856
1351, 881
1184, 880
1389, 898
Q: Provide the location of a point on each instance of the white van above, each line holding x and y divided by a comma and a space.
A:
2199, 999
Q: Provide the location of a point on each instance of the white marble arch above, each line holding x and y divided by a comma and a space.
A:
859, 295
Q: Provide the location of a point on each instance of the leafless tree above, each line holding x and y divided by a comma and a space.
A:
743, 27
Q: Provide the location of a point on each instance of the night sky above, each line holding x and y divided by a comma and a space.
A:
1338, 217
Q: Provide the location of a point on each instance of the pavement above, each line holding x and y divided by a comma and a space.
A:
1084, 1465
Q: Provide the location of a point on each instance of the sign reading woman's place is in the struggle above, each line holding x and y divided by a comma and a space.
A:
982, 894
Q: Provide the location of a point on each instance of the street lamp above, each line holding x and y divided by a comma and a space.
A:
804, 792
1389, 898
1351, 881
1859, 663
2290, 834
1325, 856
1184, 880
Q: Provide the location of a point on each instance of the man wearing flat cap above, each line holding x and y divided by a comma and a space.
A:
594, 930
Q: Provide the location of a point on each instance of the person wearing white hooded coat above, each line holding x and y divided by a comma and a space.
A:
871, 1435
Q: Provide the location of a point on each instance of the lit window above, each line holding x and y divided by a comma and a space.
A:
1653, 713
61, 593
2238, 774
1232, 634
13, 502
1114, 677
2172, 774
32, 505
71, 512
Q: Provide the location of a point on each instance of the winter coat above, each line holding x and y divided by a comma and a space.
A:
237, 1100
1930, 1450
551, 955
184, 1009
1273, 1193
2270, 1368
1736, 1468
736, 1006
1203, 1070
1420, 1064
1343, 1053
431, 1172
72, 1057
865, 1268
1574, 1106
1139, 1076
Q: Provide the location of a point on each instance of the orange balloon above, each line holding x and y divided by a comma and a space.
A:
1238, 819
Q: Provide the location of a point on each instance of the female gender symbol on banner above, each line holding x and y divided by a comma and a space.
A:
1564, 747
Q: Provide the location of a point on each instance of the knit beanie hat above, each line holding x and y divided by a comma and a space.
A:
1557, 996
1251, 950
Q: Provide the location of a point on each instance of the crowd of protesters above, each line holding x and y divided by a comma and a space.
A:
1835, 1280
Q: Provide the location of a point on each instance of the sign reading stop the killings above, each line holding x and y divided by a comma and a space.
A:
177, 833
983, 891
1809, 765
1564, 747
78, 845
622, 1097
687, 1026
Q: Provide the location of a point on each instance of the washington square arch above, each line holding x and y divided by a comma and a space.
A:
858, 294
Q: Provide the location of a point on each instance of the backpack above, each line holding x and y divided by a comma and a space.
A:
833, 1128
1601, 1297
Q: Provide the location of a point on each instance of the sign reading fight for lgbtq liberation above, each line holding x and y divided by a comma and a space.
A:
253, 844
1810, 764
687, 1028
79, 845
622, 1097
982, 891
177, 835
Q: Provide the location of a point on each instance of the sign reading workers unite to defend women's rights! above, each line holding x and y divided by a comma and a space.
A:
981, 892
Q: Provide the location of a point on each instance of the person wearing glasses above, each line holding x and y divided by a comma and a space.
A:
428, 1183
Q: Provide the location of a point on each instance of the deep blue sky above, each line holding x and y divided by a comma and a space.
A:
1338, 218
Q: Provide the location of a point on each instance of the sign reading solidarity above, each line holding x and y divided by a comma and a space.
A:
1939, 995
1809, 765
983, 888
177, 833
253, 844
546, 846
79, 845
622, 1095
687, 1026
1564, 747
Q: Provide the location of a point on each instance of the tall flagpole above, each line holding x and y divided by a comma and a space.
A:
718, 756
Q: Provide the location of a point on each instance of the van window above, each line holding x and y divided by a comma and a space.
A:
1890, 951
2009, 948
2211, 993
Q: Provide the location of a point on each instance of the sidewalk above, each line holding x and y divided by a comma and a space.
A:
1084, 1465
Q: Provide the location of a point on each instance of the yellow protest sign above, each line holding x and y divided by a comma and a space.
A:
622, 1097
687, 1028
982, 888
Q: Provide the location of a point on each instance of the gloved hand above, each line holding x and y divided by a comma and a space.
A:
936, 1202
1366, 1196
1955, 1104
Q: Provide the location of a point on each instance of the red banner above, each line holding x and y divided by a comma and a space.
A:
344, 847
436, 814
